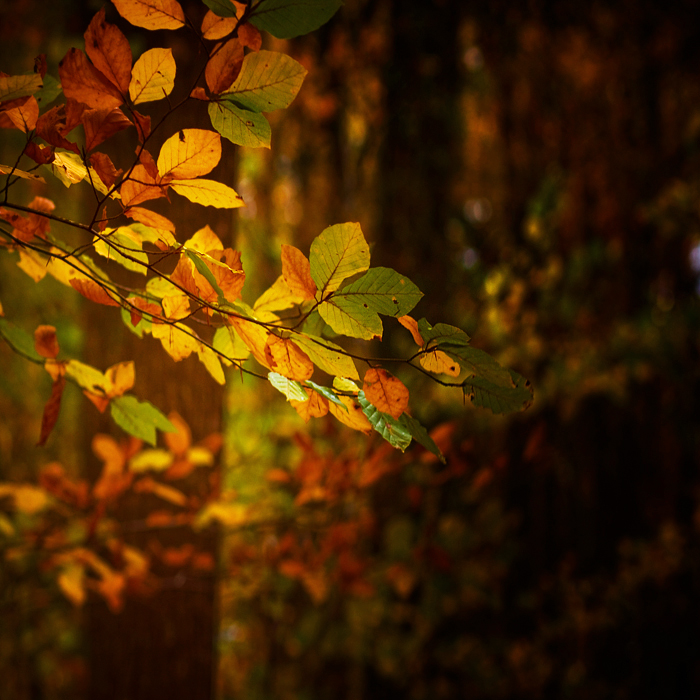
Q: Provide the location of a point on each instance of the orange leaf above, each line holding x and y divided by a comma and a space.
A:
101, 124
93, 291
354, 417
82, 82
120, 378
412, 325
24, 115
176, 307
167, 493
250, 36
152, 14
51, 410
113, 479
296, 271
150, 218
52, 126
178, 442
39, 154
104, 168
45, 341
140, 187
385, 392
255, 337
189, 153
215, 27
440, 363
287, 359
142, 124
224, 66
315, 407
109, 51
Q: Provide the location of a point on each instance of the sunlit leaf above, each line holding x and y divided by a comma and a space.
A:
139, 418
240, 126
25, 115
176, 339
208, 193
51, 410
277, 298
82, 82
6, 170
327, 356
46, 342
124, 247
296, 271
156, 460
13, 87
339, 252
292, 389
440, 363
211, 362
287, 359
153, 76
71, 581
224, 66
286, 19
392, 430
101, 124
326, 393
315, 407
109, 51
189, 153
152, 14
227, 342
93, 291
387, 393
216, 27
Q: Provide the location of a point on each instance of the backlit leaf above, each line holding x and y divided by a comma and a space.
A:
101, 124
223, 8
277, 298
326, 393
153, 76
27, 499
227, 342
45, 341
440, 363
24, 116
268, 80
315, 407
156, 460
139, 418
411, 324
480, 364
176, 339
216, 27
189, 153
339, 252
441, 333
296, 271
124, 247
208, 193
327, 356
392, 430
51, 410
289, 387
240, 126
13, 87
287, 359
152, 14
140, 187
224, 66
109, 51
211, 362
82, 82
93, 291
286, 19
120, 378
387, 393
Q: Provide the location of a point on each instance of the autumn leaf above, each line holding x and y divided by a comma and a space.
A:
291, 388
45, 341
150, 218
25, 115
52, 126
71, 581
189, 153
204, 240
296, 271
349, 412
240, 126
223, 8
224, 66
315, 407
153, 76
139, 418
327, 356
215, 27
82, 82
140, 187
101, 124
208, 193
386, 392
152, 14
339, 252
250, 36
104, 168
27, 499
109, 51
254, 336
13, 87
440, 363
287, 359
167, 493
93, 291
411, 325
119, 379
51, 410
286, 19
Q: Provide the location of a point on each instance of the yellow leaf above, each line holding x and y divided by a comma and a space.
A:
32, 264
227, 514
176, 307
120, 378
153, 76
208, 193
156, 460
215, 27
285, 358
28, 499
152, 14
72, 582
189, 153
354, 417
385, 392
204, 241
277, 298
177, 340
296, 271
439, 362
212, 363
255, 337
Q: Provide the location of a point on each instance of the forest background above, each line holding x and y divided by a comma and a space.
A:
532, 168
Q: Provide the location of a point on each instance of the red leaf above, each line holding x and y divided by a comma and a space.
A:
142, 124
40, 66
92, 291
51, 410
224, 66
100, 124
250, 36
45, 341
82, 82
104, 168
109, 50
39, 154
52, 127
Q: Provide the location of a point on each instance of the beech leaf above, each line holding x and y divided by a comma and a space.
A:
339, 252
391, 429
296, 271
152, 14
45, 341
208, 193
222, 8
240, 126
82, 82
224, 66
286, 19
109, 51
498, 398
292, 389
139, 418
13, 87
51, 410
189, 153
327, 356
153, 77
387, 393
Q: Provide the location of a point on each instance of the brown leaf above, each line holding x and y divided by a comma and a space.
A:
52, 127
104, 168
146, 159
45, 341
51, 410
150, 218
82, 82
385, 392
152, 14
142, 124
109, 51
224, 66
250, 36
40, 66
199, 93
39, 154
24, 116
101, 124
296, 271
141, 187
93, 291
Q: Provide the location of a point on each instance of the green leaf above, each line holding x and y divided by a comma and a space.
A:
441, 333
240, 126
479, 363
268, 80
497, 398
339, 252
205, 271
221, 8
327, 356
292, 389
354, 310
325, 391
286, 19
19, 340
392, 430
420, 435
49, 92
86, 377
139, 418
14, 86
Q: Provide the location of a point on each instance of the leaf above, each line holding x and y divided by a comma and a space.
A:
150, 218
51, 410
179, 441
152, 14
387, 393
497, 398
27, 499
19, 340
167, 493
212, 364
327, 393
277, 298
315, 407
441, 334
420, 435
215, 27
327, 356
109, 51
139, 418
292, 389
296, 271
411, 324
350, 414
240, 126
83, 83
222, 8
189, 154
208, 193
354, 310
286, 19
124, 247
287, 359
87, 377
104, 168
392, 430
339, 252
224, 66
156, 460
16, 172
49, 91
101, 124
119, 378
250, 36
25, 115
45, 341
440, 363
254, 336
268, 80
176, 339
153, 77
480, 364
71, 581
176, 307
93, 291
227, 342
13, 87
